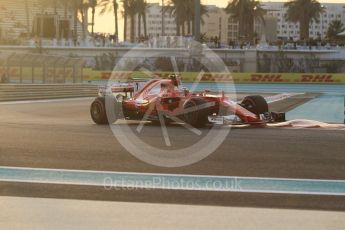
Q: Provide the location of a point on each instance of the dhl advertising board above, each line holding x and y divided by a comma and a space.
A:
26, 73
305, 78
92, 75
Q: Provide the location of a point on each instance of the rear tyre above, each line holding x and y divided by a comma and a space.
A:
197, 118
104, 111
98, 112
255, 104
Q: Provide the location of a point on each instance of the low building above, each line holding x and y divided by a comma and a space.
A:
29, 19
215, 23
318, 29
153, 23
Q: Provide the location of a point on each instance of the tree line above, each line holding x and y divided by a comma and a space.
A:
245, 12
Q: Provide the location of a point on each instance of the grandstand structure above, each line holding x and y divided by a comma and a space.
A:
23, 19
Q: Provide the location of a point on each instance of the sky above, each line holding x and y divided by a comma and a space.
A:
105, 23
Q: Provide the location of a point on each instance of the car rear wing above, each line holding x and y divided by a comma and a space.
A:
127, 89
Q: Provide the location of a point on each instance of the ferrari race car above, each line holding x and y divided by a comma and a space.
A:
165, 100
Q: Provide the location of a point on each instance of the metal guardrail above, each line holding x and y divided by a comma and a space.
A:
41, 69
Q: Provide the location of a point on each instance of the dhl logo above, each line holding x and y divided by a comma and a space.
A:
114, 75
317, 78
266, 78
50, 72
216, 77
59, 73
11, 71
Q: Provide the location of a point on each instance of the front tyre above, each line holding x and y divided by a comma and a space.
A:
255, 104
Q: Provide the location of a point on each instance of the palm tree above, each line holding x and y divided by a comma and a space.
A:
92, 5
183, 11
111, 5
130, 10
190, 7
141, 10
83, 9
335, 27
179, 10
190, 15
76, 8
80, 7
124, 15
27, 17
304, 12
246, 12
125, 18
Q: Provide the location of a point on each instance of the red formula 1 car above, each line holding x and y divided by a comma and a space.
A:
165, 100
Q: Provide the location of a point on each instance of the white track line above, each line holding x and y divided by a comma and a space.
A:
269, 99
109, 180
45, 101
281, 97
160, 174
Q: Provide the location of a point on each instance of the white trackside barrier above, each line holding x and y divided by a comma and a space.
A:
301, 123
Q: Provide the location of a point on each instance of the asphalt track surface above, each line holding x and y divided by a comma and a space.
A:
60, 135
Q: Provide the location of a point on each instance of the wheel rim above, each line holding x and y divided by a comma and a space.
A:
120, 98
96, 110
249, 104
